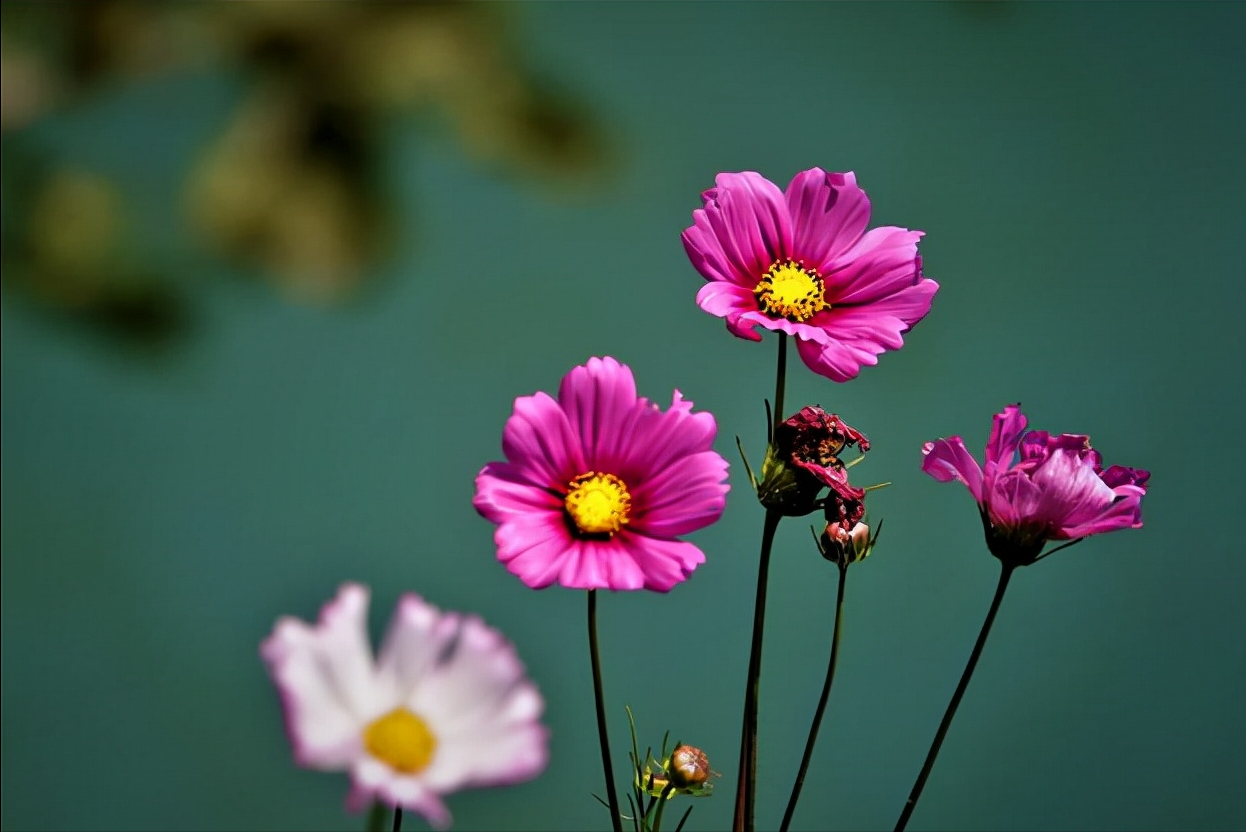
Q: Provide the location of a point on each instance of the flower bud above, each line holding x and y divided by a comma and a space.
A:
843, 546
688, 768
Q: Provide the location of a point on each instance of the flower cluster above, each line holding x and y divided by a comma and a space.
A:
599, 486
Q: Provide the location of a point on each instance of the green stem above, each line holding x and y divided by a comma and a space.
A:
746, 789
911, 803
821, 709
616, 817
376, 817
397, 818
663, 799
746, 785
780, 384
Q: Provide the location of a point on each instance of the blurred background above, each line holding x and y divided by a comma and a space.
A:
273, 275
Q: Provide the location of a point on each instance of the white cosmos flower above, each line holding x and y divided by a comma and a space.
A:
445, 706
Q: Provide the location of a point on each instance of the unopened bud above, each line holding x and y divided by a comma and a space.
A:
847, 546
689, 768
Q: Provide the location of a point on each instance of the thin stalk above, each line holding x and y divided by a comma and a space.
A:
663, 799
821, 709
397, 818
911, 803
780, 383
616, 818
376, 817
746, 786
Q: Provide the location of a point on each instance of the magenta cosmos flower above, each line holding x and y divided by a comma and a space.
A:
1057, 490
445, 706
599, 483
801, 262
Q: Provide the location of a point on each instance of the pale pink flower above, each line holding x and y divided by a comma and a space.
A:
445, 706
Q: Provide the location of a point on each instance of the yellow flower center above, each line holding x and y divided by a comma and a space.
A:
790, 290
401, 740
598, 503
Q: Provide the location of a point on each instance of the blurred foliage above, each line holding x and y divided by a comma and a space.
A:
291, 187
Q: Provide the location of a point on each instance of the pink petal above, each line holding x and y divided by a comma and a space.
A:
502, 493
664, 562
747, 215
1073, 494
881, 322
708, 257
601, 564
726, 300
805, 330
534, 548
838, 360
1013, 500
949, 459
540, 440
600, 401
1124, 513
883, 262
1119, 475
660, 438
687, 495
829, 213
1006, 430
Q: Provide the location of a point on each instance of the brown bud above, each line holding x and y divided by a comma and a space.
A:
689, 768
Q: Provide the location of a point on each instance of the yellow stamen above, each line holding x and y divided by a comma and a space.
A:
401, 740
598, 503
791, 290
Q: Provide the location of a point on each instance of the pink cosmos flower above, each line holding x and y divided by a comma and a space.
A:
800, 262
446, 705
599, 483
1058, 490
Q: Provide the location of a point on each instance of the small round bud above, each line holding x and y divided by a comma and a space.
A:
689, 768
846, 546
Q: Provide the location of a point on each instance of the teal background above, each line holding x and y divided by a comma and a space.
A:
1078, 171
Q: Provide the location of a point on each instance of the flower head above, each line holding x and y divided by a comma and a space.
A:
686, 771
805, 457
1058, 489
599, 483
445, 706
800, 262
845, 544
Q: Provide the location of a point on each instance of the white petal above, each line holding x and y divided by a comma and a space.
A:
325, 678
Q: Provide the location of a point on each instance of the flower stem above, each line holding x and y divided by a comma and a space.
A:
826, 694
746, 786
780, 384
397, 818
616, 817
911, 803
662, 801
376, 817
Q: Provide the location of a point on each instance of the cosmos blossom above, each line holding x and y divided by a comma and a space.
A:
801, 262
1058, 489
599, 484
445, 706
